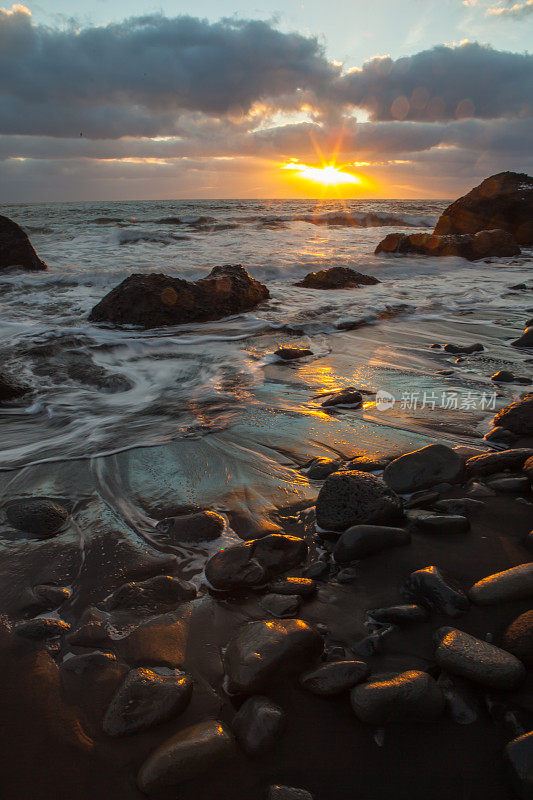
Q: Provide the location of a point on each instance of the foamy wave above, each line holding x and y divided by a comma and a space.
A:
348, 219
135, 236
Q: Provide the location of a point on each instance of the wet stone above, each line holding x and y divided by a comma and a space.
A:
288, 793
518, 483
356, 498
361, 541
440, 524
281, 605
205, 526
320, 468
146, 698
463, 506
161, 591
490, 463
318, 571
258, 724
424, 468
41, 628
88, 661
346, 397
258, 650
518, 638
400, 615
38, 516
292, 353
303, 587
464, 655
186, 755
511, 584
430, 588
411, 696
519, 758
335, 677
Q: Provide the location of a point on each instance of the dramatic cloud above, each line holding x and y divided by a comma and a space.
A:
516, 11
443, 83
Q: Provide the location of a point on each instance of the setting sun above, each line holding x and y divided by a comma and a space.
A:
328, 175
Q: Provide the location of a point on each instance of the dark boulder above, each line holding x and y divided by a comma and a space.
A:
515, 583
336, 278
502, 201
10, 389
321, 468
519, 758
258, 724
302, 587
430, 588
464, 655
16, 250
517, 417
489, 463
154, 300
155, 594
526, 339
486, 243
420, 469
464, 349
345, 397
259, 650
408, 697
42, 628
356, 498
145, 698
253, 562
292, 353
38, 516
399, 615
281, 605
335, 677
361, 541
518, 638
205, 526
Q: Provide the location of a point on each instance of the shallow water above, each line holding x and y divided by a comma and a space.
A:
226, 425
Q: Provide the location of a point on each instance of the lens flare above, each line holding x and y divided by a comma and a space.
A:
328, 175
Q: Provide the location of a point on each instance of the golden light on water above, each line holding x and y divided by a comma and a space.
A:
326, 175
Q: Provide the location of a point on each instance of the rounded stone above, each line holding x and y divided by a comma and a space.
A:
424, 468
258, 724
186, 755
205, 526
321, 468
288, 793
430, 588
437, 523
400, 615
335, 677
292, 353
38, 516
356, 498
303, 587
411, 696
281, 605
161, 591
519, 758
481, 662
511, 584
518, 638
360, 541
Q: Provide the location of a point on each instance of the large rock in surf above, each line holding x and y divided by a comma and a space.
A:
16, 249
186, 755
464, 655
336, 278
517, 417
519, 758
433, 464
155, 300
260, 649
486, 243
511, 584
502, 201
356, 498
145, 698
411, 696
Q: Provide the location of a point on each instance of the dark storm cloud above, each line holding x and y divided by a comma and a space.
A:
443, 83
150, 63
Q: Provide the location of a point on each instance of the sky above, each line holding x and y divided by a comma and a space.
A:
132, 100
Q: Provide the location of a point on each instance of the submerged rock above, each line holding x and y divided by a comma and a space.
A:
156, 593
366, 540
356, 498
411, 696
281, 605
519, 758
344, 397
461, 654
336, 278
518, 638
502, 201
186, 755
258, 724
442, 524
511, 584
335, 677
16, 250
420, 469
502, 376
146, 698
10, 389
517, 417
431, 589
260, 649
489, 463
292, 353
464, 349
38, 516
205, 526
153, 300
497, 243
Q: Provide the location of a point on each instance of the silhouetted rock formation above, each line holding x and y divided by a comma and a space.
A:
16, 249
336, 278
484, 244
151, 301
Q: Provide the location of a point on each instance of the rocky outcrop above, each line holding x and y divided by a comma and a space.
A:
517, 417
486, 243
16, 250
502, 201
154, 300
336, 278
